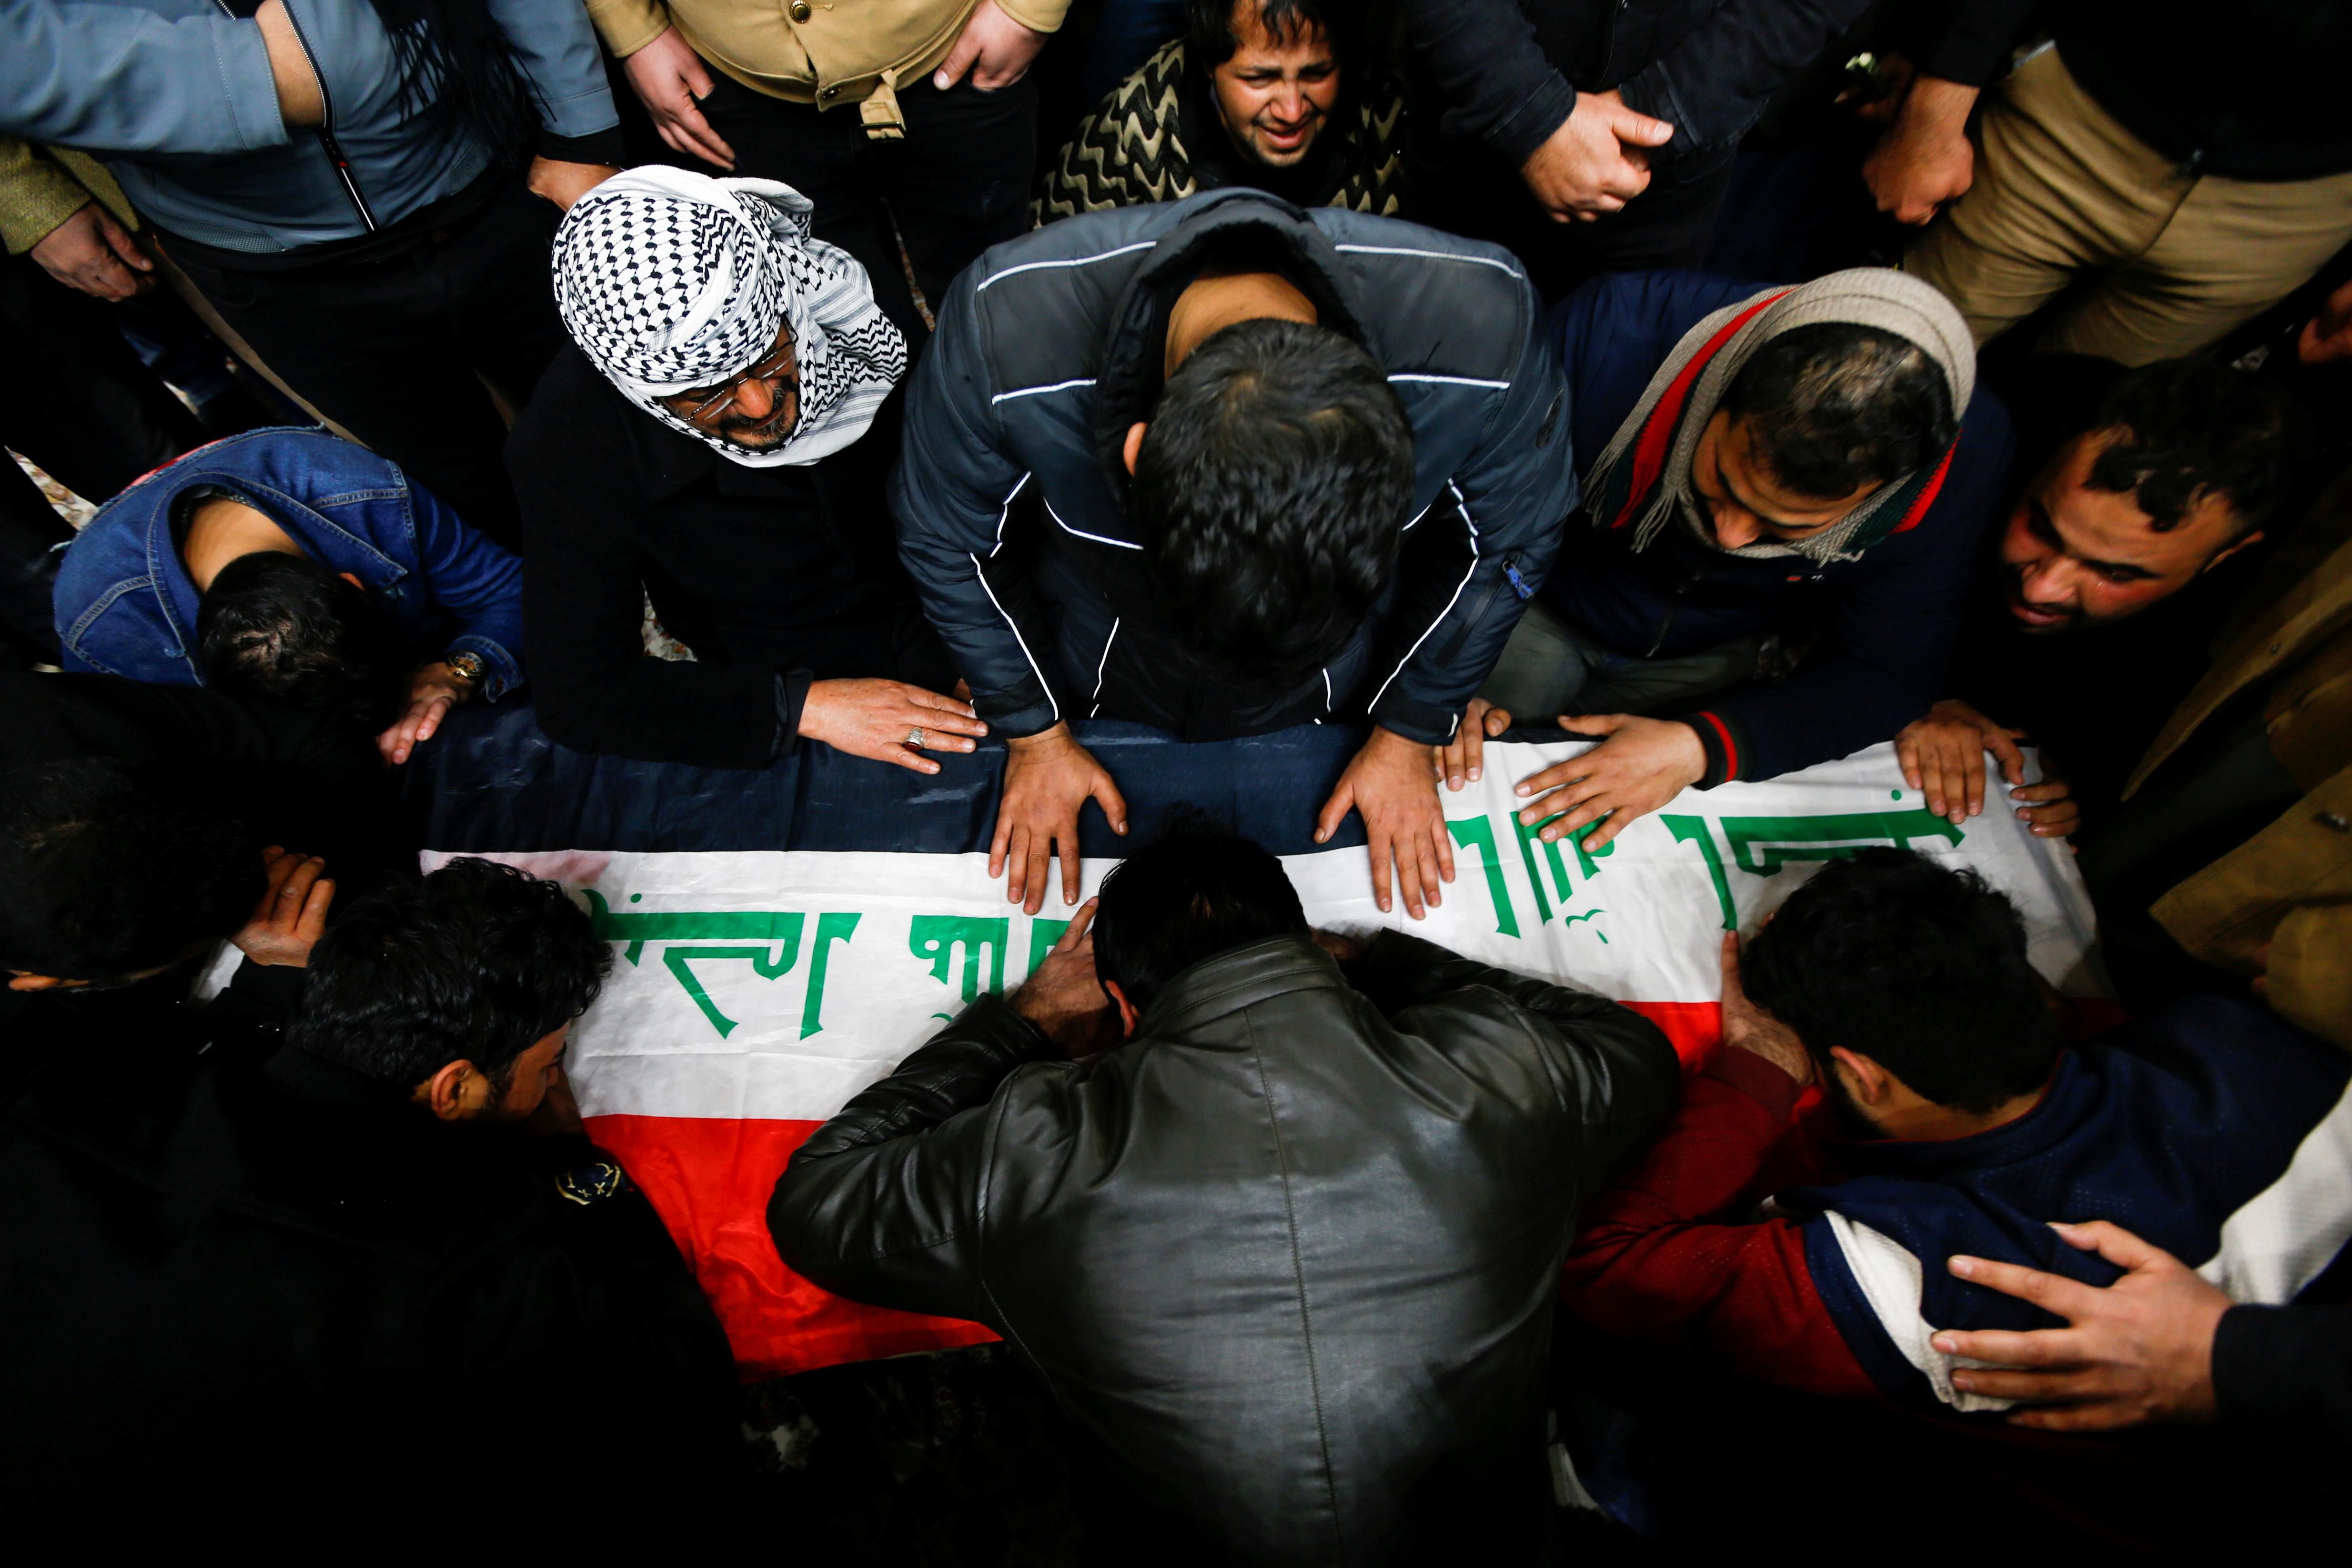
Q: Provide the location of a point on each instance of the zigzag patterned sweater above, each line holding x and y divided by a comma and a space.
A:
1157, 138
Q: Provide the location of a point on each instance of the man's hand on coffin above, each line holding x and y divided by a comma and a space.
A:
888, 720
1640, 765
1390, 785
1048, 778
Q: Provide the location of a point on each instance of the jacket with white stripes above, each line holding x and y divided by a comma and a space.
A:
2212, 1128
1010, 498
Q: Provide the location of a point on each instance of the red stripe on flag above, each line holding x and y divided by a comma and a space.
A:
1696, 1028
709, 1180
1650, 447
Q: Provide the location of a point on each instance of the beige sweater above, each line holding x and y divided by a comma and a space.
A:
831, 53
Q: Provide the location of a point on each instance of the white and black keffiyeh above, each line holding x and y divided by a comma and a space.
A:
672, 281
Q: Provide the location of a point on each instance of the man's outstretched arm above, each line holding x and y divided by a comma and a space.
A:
1500, 517
884, 1202
953, 493
1664, 1256
2162, 1343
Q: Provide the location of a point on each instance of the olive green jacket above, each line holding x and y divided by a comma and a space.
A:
40, 188
2290, 885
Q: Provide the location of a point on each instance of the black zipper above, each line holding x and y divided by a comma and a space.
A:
324, 131
1667, 621
1664, 627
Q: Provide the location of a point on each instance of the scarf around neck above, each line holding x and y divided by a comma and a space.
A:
671, 281
1643, 477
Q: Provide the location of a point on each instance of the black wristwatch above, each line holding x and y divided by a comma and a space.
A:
467, 666
592, 1183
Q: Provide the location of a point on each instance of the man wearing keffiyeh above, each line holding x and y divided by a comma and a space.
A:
1772, 477
716, 442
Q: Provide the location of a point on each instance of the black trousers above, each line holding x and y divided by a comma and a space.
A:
396, 350
77, 401
957, 184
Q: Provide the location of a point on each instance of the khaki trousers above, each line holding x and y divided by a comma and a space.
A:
2063, 189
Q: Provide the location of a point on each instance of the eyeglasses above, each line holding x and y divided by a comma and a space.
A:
777, 368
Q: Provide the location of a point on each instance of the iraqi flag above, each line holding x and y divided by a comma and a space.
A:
783, 938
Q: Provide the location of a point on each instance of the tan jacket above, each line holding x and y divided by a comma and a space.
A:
40, 188
831, 53
2290, 885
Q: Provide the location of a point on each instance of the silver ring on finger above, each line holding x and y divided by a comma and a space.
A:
916, 738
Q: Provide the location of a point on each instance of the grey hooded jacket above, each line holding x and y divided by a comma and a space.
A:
176, 96
1050, 344
1288, 1256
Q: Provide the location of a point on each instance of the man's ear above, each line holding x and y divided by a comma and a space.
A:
456, 1093
1128, 1011
352, 580
39, 982
1869, 1083
2227, 550
1134, 445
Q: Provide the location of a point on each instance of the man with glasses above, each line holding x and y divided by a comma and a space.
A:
715, 443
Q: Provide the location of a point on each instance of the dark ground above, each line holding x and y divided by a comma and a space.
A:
960, 1457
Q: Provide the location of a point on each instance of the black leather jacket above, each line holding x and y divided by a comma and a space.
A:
1290, 1256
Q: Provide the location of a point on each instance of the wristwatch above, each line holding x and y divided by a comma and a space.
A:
467, 666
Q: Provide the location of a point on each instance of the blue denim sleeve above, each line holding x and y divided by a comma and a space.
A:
479, 582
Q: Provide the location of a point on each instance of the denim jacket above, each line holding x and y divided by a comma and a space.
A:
125, 605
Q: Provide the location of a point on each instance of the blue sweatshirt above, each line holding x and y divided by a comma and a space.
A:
177, 95
126, 605
1888, 620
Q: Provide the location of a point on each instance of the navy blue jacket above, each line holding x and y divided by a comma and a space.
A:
1509, 70
1049, 345
126, 605
2212, 1129
1889, 619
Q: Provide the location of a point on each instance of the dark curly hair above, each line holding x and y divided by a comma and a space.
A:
475, 963
285, 629
1833, 407
1920, 968
1272, 485
2185, 429
1210, 40
1195, 892
105, 873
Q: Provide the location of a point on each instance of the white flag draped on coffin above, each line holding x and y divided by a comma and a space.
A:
754, 992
